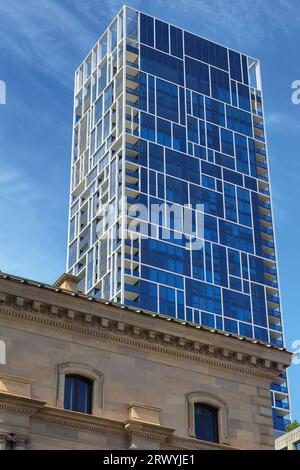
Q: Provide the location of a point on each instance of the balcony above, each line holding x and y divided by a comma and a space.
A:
279, 388
274, 313
282, 405
273, 299
280, 424
261, 151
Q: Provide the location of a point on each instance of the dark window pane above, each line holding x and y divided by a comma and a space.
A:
78, 394
206, 51
167, 100
176, 42
206, 422
147, 30
197, 76
235, 66
220, 85
162, 65
162, 36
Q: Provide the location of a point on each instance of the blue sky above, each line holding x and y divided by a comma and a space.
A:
42, 42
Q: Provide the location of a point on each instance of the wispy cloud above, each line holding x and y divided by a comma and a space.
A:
48, 34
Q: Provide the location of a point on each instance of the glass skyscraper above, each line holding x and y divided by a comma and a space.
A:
166, 118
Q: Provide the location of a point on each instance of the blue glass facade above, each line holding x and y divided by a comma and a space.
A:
163, 116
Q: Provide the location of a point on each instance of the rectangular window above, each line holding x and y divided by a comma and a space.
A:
164, 132
147, 126
203, 296
215, 111
213, 136
239, 121
162, 65
206, 51
176, 42
147, 30
162, 36
235, 66
179, 138
197, 76
235, 236
220, 85
227, 142
167, 100
237, 305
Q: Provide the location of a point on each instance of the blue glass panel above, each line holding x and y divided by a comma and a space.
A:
176, 191
213, 201
148, 295
215, 111
179, 138
211, 169
207, 319
234, 263
213, 136
198, 105
230, 202
164, 132
257, 269
182, 106
167, 301
235, 66
210, 228
166, 256
176, 42
203, 296
198, 264
234, 93
245, 70
233, 177
143, 91
156, 157
197, 76
220, 85
192, 125
237, 305
182, 166
224, 160
147, 126
239, 121
235, 236
246, 330
227, 142
206, 51
250, 183
244, 97
231, 325
162, 65
261, 334
162, 36
220, 266
151, 94
244, 207
259, 305
147, 30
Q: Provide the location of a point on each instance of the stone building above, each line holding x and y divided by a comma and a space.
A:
289, 441
140, 381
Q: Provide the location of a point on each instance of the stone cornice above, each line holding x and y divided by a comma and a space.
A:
113, 324
153, 432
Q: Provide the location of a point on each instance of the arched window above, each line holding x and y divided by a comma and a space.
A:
78, 393
206, 422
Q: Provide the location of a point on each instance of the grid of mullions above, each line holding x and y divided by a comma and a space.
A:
220, 263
